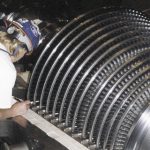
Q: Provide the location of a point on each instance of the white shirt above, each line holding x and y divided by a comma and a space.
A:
7, 79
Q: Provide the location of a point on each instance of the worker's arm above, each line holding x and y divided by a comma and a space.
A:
5, 113
17, 109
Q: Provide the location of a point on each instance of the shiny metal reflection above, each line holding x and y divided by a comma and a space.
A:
140, 137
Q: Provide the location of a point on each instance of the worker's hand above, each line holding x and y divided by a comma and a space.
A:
20, 108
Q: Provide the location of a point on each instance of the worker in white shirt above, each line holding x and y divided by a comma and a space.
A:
18, 38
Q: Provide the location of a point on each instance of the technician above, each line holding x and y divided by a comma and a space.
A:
18, 38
